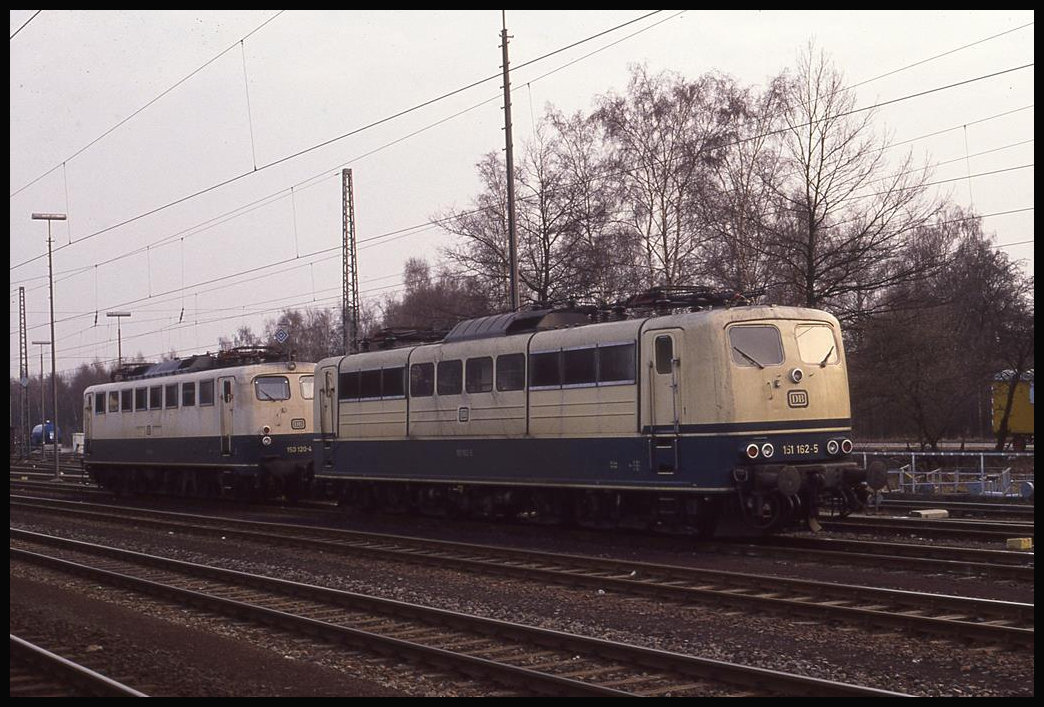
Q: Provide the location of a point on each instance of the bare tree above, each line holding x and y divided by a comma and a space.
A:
662, 138
605, 253
483, 250
740, 208
244, 336
434, 303
926, 358
549, 235
554, 231
846, 213
313, 333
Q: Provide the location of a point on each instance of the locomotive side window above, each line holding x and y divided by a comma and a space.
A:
579, 367
206, 392
272, 388
449, 377
348, 386
616, 363
170, 395
114, 401
511, 372
478, 375
816, 344
370, 384
393, 382
127, 400
155, 397
374, 384
141, 398
590, 366
99, 403
755, 345
422, 380
544, 370
188, 394
664, 353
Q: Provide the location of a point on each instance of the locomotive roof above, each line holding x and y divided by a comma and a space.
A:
515, 323
239, 356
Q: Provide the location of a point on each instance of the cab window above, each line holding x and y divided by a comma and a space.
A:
272, 388
755, 345
307, 387
816, 344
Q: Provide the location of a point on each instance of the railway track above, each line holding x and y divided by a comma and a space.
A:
529, 659
37, 672
995, 563
977, 530
986, 621
917, 557
962, 509
1004, 517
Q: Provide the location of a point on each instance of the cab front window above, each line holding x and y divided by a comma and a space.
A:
756, 345
816, 344
272, 388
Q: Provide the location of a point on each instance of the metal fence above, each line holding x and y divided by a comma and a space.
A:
1004, 474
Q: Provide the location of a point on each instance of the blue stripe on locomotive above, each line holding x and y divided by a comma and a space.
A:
246, 451
706, 461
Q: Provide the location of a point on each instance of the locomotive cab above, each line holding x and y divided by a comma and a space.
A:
787, 393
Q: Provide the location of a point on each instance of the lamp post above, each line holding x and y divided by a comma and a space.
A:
50, 288
43, 414
119, 336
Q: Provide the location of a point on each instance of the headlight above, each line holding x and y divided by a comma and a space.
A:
833, 446
767, 450
752, 451
266, 441
846, 446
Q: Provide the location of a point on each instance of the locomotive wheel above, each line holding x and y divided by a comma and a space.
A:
768, 512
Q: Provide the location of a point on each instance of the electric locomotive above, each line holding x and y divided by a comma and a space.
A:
235, 424
684, 419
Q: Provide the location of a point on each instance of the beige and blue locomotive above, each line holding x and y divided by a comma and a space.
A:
684, 420
233, 424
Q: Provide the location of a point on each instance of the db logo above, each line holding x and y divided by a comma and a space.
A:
797, 398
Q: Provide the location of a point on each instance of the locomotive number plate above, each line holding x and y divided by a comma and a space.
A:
797, 449
797, 398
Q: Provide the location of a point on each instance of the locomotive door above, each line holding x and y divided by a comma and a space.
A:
226, 384
327, 399
662, 348
88, 420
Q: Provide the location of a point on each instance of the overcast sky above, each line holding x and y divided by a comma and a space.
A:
199, 154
